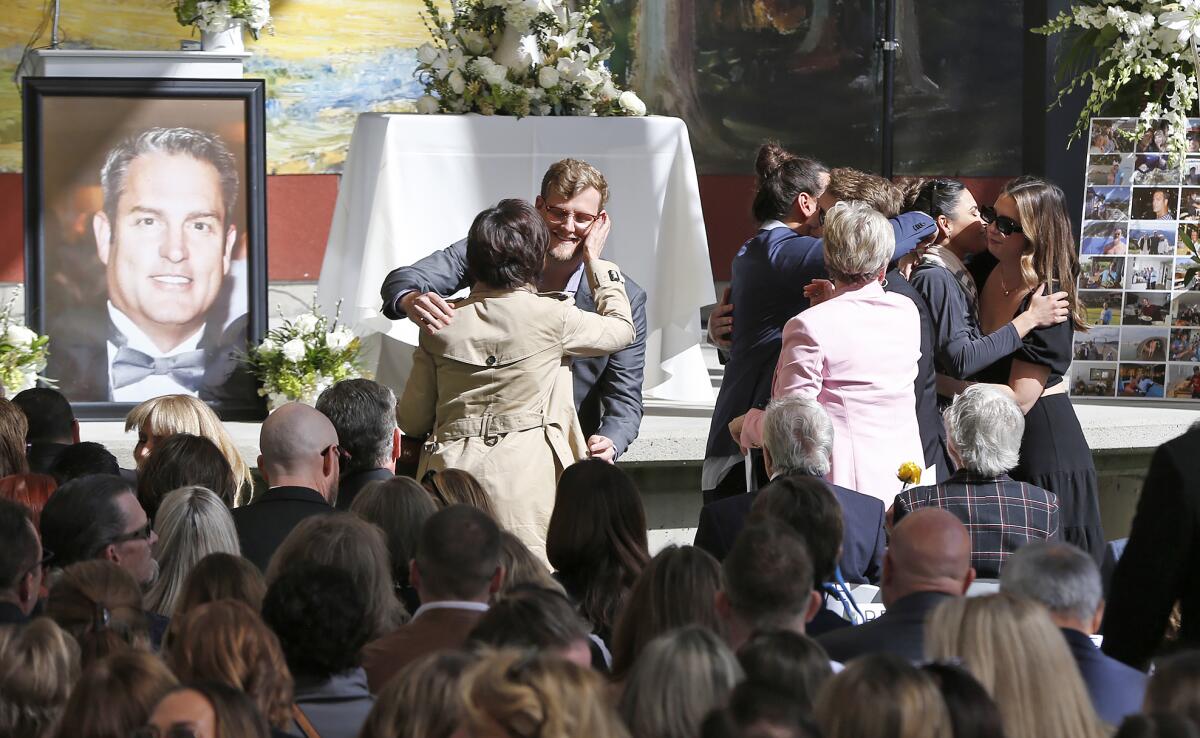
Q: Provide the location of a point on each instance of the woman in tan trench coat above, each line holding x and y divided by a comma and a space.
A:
493, 389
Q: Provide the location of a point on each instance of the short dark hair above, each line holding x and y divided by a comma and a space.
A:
806, 505
400, 506
781, 177
530, 617
48, 412
184, 460
768, 575
320, 617
458, 552
19, 551
507, 244
82, 517
788, 663
235, 712
83, 459
933, 197
363, 413
972, 710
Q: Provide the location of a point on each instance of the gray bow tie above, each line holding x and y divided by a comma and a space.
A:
131, 365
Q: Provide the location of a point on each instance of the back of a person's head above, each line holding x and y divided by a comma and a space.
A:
879, 193
933, 196
786, 662
1158, 725
755, 712
1175, 686
596, 539
82, 517
1019, 656
48, 414
13, 429
458, 487
675, 589
226, 641
20, 552
39, 664
184, 460
531, 695
808, 506
882, 696
84, 459
363, 412
30, 490
399, 506
973, 713
1060, 576
530, 618
458, 553
320, 617
507, 244
221, 576
347, 542
423, 700
679, 677
191, 524
767, 577
798, 434
234, 713
780, 177
100, 605
115, 696
522, 568
984, 426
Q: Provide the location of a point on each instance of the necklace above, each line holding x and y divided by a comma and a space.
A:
1003, 285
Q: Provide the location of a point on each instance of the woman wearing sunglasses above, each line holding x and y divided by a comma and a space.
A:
1029, 233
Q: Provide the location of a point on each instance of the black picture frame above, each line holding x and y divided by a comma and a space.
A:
108, 110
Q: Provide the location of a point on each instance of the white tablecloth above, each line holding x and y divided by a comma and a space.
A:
413, 184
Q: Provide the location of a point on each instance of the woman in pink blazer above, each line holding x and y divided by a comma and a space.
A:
855, 353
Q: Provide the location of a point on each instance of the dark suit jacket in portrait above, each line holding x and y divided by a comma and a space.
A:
863, 538
608, 389
1161, 562
1116, 689
263, 524
900, 630
433, 630
1000, 514
350, 484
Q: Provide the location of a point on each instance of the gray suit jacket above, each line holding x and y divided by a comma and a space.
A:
608, 389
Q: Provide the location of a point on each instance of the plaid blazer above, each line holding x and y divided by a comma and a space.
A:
1000, 514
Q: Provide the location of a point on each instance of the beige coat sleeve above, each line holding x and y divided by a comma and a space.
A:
608, 329
418, 405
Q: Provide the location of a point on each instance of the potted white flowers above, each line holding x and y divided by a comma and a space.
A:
300, 359
221, 21
518, 57
23, 353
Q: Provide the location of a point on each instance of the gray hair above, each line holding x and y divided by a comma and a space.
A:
192, 523
798, 434
364, 414
984, 426
200, 145
1058, 575
859, 241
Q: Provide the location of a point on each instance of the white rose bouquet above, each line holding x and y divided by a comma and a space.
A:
1137, 57
304, 356
517, 57
23, 353
218, 15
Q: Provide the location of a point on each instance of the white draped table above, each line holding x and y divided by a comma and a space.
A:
413, 183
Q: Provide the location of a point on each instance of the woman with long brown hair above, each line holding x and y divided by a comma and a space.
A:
14, 426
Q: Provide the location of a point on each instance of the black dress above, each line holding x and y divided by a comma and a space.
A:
1054, 454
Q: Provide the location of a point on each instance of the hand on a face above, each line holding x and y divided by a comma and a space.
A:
593, 243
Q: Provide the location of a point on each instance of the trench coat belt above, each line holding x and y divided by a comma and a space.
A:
489, 427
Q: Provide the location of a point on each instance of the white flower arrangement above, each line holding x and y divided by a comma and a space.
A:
23, 353
1136, 55
517, 57
300, 359
218, 15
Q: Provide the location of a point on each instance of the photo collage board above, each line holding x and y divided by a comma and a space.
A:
1141, 210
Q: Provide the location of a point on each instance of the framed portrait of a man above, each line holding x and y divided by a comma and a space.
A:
145, 238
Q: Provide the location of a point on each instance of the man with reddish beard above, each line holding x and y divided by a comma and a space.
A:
608, 389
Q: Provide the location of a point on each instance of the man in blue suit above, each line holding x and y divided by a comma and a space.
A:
608, 389
1067, 582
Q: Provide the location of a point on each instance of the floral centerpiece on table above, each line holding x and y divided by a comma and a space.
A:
517, 57
301, 358
215, 16
1134, 55
23, 353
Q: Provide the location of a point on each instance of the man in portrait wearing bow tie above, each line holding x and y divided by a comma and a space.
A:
165, 235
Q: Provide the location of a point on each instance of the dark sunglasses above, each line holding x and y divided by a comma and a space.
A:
1006, 225
141, 534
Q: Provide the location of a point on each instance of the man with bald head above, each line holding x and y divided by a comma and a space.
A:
928, 561
299, 460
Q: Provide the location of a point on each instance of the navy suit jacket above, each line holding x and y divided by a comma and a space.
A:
608, 389
862, 524
766, 289
1116, 689
263, 524
900, 630
350, 484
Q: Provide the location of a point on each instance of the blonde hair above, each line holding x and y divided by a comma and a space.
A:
859, 242
521, 567
100, 604
39, 664
1019, 656
569, 177
458, 487
171, 414
192, 522
1050, 255
530, 694
422, 700
882, 695
678, 678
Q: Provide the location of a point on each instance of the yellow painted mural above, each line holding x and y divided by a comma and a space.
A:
327, 62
